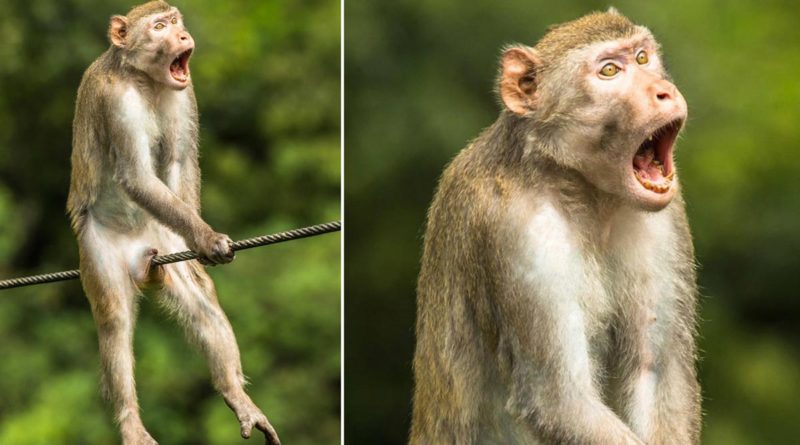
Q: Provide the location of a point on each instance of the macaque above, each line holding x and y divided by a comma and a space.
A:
135, 192
556, 297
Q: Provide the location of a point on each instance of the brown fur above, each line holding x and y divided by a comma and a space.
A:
135, 192
552, 306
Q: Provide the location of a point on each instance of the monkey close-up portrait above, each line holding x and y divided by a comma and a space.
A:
556, 297
137, 349
608, 260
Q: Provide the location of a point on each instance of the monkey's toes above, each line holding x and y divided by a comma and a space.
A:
262, 424
269, 432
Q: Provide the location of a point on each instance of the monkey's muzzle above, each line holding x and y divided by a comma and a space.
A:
652, 163
179, 68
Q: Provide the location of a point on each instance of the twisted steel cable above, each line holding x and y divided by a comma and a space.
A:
265, 240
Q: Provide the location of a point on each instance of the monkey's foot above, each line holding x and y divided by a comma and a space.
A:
250, 416
137, 436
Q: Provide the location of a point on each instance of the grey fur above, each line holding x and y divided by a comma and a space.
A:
530, 239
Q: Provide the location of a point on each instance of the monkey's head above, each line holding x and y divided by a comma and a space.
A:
595, 97
152, 39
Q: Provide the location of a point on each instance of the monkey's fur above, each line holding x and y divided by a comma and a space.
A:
134, 192
553, 305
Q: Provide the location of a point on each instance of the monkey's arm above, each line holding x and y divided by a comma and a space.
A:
133, 170
676, 417
189, 186
541, 303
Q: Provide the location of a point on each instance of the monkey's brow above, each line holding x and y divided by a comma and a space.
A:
167, 16
625, 48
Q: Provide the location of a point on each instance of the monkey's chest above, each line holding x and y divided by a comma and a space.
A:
628, 308
169, 143
164, 157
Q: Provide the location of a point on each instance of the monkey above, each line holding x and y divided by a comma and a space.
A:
134, 192
556, 296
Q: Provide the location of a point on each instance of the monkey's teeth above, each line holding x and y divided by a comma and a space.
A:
658, 187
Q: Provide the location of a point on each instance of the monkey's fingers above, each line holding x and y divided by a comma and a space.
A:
222, 258
223, 253
205, 261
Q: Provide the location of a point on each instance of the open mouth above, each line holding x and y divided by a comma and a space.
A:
652, 163
179, 68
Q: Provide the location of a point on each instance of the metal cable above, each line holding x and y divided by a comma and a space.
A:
249, 243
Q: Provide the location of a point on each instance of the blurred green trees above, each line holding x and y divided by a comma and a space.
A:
266, 75
419, 79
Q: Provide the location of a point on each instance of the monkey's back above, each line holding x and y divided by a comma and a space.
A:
456, 401
89, 141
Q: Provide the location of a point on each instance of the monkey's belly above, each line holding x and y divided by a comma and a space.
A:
115, 211
117, 249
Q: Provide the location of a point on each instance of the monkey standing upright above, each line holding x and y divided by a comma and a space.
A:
134, 192
556, 297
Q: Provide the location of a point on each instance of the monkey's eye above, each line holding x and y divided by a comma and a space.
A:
174, 21
609, 70
159, 26
641, 57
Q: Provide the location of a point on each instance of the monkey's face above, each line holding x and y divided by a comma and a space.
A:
161, 46
642, 115
603, 107
626, 118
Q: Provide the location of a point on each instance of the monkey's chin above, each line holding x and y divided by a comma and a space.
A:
178, 85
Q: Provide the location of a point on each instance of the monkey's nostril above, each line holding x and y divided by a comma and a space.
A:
665, 94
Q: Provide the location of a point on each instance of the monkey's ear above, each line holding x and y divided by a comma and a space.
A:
613, 10
118, 30
518, 82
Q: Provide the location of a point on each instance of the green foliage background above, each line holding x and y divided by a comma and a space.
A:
418, 85
266, 75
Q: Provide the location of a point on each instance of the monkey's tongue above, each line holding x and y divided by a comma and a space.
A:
647, 166
179, 68
177, 71
649, 170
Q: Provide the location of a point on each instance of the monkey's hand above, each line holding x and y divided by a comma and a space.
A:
213, 248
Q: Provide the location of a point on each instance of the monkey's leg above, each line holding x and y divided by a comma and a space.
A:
189, 293
112, 295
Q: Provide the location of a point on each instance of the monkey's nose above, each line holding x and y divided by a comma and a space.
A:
664, 91
666, 97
